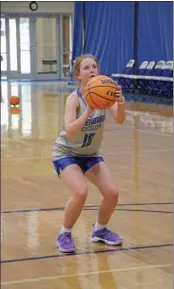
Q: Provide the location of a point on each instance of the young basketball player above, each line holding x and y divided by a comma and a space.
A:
76, 157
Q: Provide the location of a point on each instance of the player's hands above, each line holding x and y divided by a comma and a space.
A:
119, 95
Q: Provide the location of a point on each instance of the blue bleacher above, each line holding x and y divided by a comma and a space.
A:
164, 85
151, 78
128, 70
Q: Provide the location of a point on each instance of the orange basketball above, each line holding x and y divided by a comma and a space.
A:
14, 100
100, 92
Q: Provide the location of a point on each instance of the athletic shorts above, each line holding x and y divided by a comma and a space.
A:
85, 163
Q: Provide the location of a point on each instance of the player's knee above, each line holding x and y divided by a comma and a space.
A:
112, 193
115, 193
82, 192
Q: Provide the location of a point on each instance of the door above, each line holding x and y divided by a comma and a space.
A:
66, 55
46, 39
3, 49
16, 48
36, 47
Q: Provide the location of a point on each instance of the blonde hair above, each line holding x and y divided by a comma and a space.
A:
78, 60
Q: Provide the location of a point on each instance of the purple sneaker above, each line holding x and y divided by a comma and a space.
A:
106, 236
65, 243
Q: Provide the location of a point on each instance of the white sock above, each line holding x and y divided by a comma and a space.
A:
63, 230
97, 227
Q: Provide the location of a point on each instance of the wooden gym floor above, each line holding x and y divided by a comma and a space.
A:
139, 154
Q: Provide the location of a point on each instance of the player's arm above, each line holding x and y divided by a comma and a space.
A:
72, 124
118, 110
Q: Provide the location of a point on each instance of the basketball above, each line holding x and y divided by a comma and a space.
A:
14, 100
100, 92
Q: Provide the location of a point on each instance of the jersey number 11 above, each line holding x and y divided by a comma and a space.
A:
88, 139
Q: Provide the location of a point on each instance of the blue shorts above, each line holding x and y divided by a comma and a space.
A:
85, 163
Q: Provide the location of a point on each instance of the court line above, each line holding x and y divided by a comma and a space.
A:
158, 133
48, 278
139, 129
85, 209
135, 210
85, 253
141, 152
26, 142
90, 207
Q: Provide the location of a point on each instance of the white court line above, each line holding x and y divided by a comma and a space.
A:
49, 278
139, 151
102, 151
141, 130
154, 132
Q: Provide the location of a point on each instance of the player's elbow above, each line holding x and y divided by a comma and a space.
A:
69, 132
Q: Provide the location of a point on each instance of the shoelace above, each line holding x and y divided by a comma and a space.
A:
108, 232
68, 237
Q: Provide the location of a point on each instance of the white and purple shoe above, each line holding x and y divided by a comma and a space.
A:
107, 236
65, 243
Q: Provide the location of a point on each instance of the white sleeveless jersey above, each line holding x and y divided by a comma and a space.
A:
87, 141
